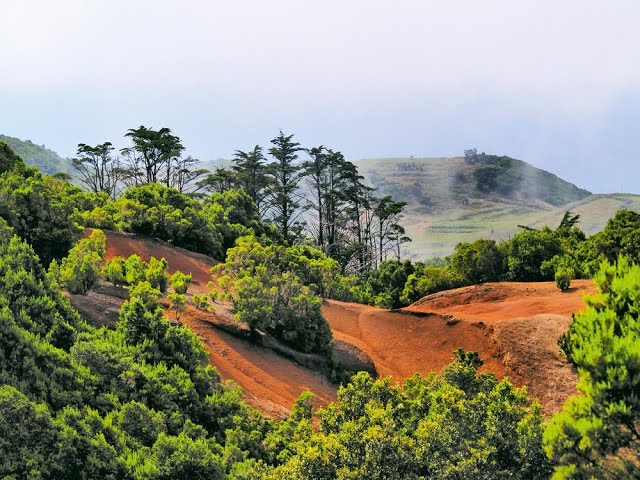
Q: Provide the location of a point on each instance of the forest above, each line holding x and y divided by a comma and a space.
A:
289, 226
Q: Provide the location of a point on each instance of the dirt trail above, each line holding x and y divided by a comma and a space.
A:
513, 326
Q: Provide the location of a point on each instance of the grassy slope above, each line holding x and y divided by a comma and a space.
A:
446, 207
45, 160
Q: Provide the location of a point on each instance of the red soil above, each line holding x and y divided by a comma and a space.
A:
513, 326
124, 245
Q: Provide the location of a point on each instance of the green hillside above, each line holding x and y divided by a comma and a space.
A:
47, 161
450, 200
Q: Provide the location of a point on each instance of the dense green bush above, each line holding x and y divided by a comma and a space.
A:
40, 210
596, 433
563, 278
269, 297
80, 270
449, 426
480, 261
180, 282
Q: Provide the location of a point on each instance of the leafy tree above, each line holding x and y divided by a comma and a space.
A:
235, 215
220, 181
9, 161
480, 261
384, 286
184, 174
563, 277
389, 233
38, 211
597, 434
158, 211
156, 273
183, 457
619, 237
180, 282
115, 271
28, 437
271, 298
178, 304
454, 425
527, 250
135, 270
426, 280
80, 270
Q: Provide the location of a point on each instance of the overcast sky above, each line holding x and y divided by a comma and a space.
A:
555, 83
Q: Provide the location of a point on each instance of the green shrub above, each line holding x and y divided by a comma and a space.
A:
115, 271
563, 277
136, 269
180, 282
201, 302
156, 273
80, 270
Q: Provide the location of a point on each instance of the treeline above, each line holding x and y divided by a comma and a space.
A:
531, 255
304, 194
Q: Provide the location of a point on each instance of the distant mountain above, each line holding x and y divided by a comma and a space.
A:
450, 200
47, 161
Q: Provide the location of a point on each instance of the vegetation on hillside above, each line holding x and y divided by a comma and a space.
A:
46, 161
597, 433
140, 401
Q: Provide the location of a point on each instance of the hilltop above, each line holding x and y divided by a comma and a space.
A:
45, 160
451, 200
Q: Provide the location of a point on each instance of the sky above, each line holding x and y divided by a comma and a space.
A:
554, 83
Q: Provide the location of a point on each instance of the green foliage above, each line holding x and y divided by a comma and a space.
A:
527, 251
563, 277
282, 197
40, 210
449, 426
184, 457
178, 304
235, 215
8, 159
620, 236
80, 270
135, 270
124, 403
158, 211
115, 271
180, 282
480, 261
596, 433
45, 160
156, 273
269, 296
27, 437
384, 286
202, 302
427, 280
